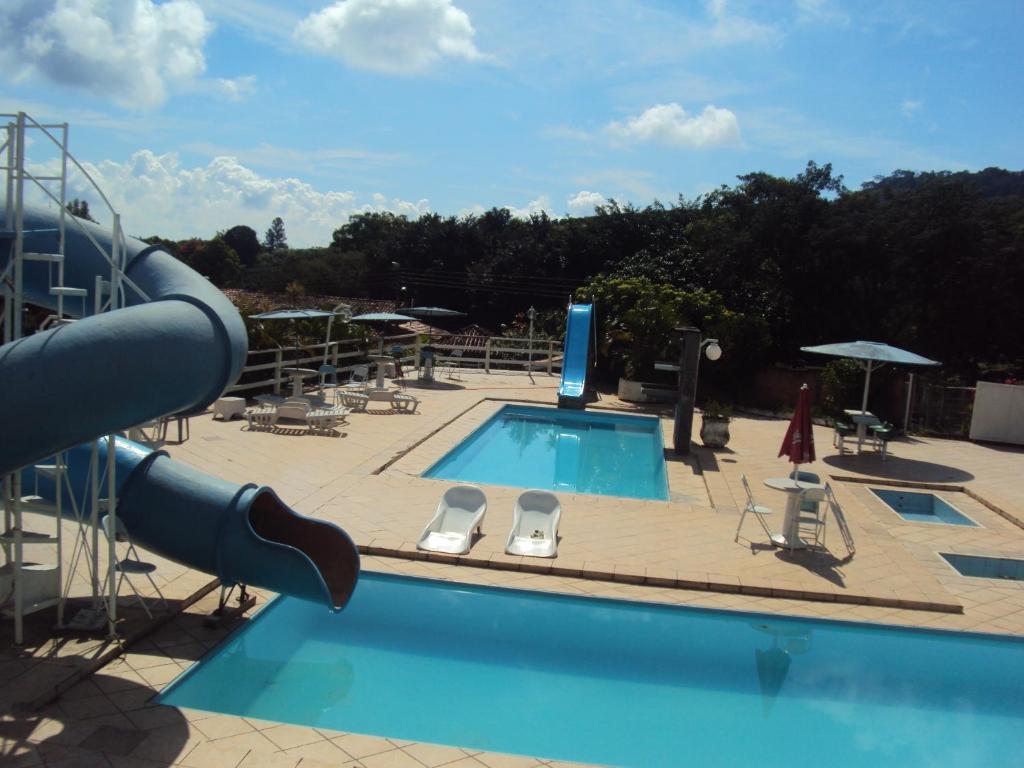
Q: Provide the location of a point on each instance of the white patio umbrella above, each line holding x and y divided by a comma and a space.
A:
873, 354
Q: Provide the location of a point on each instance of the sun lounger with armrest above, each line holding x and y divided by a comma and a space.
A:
459, 513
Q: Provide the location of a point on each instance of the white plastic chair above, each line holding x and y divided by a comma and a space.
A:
755, 509
131, 563
535, 525
358, 379
328, 378
811, 519
459, 513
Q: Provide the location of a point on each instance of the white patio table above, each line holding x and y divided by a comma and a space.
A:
789, 538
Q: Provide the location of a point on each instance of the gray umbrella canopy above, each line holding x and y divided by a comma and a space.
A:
436, 313
381, 317
875, 354
298, 314
294, 314
433, 312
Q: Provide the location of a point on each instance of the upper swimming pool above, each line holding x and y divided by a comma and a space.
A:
619, 683
559, 450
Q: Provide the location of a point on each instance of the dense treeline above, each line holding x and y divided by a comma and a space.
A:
933, 262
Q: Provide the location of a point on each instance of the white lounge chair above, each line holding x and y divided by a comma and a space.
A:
324, 420
263, 417
294, 408
459, 513
354, 401
403, 402
535, 525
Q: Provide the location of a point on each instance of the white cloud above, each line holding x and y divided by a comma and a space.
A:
821, 11
670, 124
238, 88
541, 205
910, 107
131, 51
398, 37
728, 29
157, 195
583, 202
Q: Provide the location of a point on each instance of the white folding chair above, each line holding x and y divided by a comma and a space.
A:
131, 563
453, 364
755, 509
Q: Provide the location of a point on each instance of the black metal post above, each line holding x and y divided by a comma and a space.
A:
689, 359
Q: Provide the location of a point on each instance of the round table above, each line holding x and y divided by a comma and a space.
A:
297, 375
789, 538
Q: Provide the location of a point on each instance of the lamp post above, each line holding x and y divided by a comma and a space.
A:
398, 282
531, 313
690, 346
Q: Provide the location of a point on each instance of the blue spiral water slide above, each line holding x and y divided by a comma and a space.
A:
174, 350
572, 389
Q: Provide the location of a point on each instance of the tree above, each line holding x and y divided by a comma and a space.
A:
245, 243
275, 239
80, 209
214, 259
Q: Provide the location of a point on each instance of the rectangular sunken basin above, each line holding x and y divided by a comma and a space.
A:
622, 683
986, 567
608, 454
922, 507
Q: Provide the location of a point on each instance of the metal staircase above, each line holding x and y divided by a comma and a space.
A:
25, 585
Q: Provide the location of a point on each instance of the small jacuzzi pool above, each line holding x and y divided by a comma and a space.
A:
986, 567
922, 507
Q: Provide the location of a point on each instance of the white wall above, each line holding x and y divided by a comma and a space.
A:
998, 413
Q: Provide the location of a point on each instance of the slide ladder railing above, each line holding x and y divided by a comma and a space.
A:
33, 586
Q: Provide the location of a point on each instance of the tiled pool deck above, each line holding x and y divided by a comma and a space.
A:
681, 551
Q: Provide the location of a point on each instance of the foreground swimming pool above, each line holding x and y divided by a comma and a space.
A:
558, 450
613, 682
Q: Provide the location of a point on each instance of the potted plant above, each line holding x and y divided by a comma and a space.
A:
714, 428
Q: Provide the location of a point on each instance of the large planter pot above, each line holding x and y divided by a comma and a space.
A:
714, 433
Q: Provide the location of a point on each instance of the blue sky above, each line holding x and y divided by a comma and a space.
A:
196, 115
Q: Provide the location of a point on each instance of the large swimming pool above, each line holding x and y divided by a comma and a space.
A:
614, 682
558, 450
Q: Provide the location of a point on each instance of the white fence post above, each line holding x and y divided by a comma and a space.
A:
487, 355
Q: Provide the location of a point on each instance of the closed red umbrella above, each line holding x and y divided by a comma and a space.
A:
798, 446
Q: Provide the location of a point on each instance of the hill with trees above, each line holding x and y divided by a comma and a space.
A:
930, 261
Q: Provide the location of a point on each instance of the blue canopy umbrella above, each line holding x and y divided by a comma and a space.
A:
875, 354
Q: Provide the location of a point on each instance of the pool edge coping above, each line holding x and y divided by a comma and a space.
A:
625, 574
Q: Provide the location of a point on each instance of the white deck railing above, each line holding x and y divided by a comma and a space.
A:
495, 353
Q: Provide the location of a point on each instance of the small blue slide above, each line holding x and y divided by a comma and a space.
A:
576, 361
174, 350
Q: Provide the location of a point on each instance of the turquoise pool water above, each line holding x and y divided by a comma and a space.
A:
558, 450
614, 682
1007, 568
923, 507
